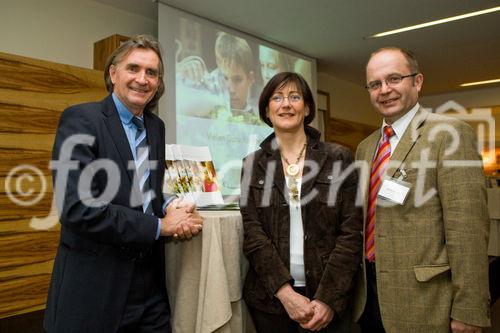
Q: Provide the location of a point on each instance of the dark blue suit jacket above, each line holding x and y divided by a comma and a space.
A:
101, 238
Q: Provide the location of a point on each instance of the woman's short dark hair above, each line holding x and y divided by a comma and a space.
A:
277, 82
145, 42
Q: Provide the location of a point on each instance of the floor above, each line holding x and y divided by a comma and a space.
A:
32, 322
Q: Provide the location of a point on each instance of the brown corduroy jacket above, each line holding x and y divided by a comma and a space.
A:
331, 221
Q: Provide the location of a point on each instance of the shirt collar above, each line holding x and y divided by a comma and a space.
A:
125, 115
400, 125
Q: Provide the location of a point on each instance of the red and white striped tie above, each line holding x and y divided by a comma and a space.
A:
379, 165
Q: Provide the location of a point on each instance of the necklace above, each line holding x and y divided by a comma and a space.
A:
293, 168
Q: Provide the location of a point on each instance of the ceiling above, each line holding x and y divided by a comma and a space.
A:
334, 31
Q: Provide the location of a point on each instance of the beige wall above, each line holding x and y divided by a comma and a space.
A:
348, 101
64, 31
482, 97
470, 99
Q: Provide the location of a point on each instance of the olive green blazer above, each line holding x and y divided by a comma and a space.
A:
431, 252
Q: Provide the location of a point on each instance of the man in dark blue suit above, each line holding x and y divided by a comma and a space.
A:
108, 161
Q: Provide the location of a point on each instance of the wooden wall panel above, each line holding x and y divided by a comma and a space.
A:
105, 47
347, 133
33, 93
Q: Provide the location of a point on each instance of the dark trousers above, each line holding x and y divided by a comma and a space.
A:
272, 323
371, 321
494, 277
147, 309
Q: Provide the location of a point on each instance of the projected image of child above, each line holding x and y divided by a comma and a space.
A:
225, 91
272, 62
303, 67
189, 39
235, 63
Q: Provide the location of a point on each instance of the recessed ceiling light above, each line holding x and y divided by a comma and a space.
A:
479, 82
428, 24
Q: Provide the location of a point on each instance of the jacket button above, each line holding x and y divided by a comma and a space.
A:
261, 182
305, 237
330, 177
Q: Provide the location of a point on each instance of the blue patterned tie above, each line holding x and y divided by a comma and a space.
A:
142, 165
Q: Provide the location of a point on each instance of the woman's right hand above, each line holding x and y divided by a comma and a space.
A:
298, 307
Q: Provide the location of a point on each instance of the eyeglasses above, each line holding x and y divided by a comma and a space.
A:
292, 98
391, 81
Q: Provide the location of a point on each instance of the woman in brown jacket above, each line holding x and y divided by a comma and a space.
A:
302, 229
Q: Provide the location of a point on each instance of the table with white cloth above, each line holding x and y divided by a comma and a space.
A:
205, 277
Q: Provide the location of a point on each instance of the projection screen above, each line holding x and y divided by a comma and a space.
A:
213, 77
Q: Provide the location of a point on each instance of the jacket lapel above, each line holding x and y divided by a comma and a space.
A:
410, 137
115, 130
367, 156
270, 146
153, 143
318, 159
274, 158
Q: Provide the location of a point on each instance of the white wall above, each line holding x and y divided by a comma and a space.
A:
64, 31
468, 98
348, 101
351, 102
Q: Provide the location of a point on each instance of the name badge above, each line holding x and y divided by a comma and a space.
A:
394, 190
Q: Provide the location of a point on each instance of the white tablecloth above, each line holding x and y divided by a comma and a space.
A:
205, 277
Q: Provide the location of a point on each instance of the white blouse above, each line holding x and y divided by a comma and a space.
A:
296, 238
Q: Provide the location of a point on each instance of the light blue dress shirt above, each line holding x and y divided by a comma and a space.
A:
131, 131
